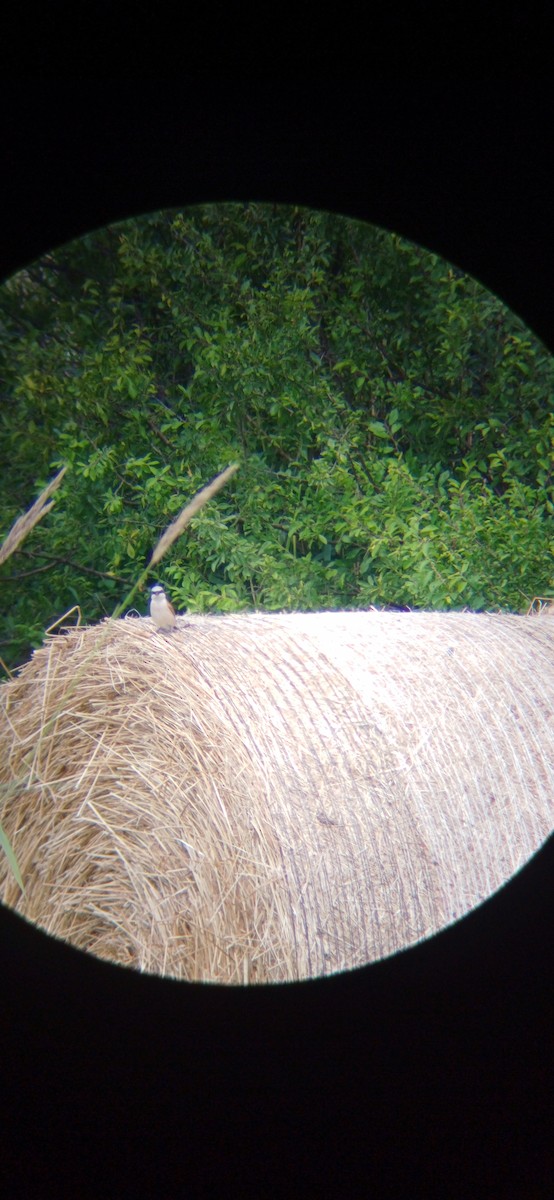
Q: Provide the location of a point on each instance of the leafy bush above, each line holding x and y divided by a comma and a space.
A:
393, 421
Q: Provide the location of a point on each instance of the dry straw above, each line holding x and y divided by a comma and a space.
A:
17, 534
273, 797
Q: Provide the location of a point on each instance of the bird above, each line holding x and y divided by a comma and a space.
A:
161, 611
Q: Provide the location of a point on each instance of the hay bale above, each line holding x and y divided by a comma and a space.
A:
274, 797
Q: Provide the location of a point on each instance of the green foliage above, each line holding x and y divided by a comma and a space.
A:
393, 421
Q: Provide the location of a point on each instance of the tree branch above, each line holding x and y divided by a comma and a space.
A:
65, 562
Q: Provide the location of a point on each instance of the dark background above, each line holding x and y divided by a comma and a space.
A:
430, 1073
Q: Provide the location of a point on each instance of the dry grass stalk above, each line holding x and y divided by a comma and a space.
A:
273, 797
541, 605
198, 501
28, 520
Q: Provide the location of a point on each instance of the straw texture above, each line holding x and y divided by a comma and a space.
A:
273, 797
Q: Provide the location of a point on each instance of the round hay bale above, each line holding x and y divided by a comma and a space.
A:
274, 797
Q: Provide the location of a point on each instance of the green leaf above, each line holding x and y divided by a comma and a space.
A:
12, 861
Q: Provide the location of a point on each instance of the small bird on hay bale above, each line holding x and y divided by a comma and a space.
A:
161, 611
